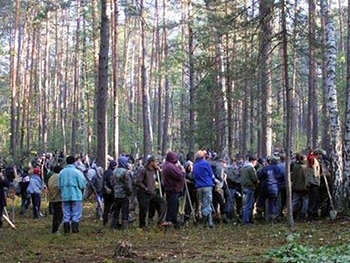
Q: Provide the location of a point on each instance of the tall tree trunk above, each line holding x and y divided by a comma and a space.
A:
13, 84
346, 151
46, 88
147, 128
191, 123
289, 112
76, 78
102, 91
336, 142
167, 116
115, 79
312, 98
266, 11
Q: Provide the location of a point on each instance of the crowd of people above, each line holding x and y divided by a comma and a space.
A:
202, 187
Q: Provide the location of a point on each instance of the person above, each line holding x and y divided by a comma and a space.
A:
96, 186
191, 195
282, 194
3, 184
71, 183
249, 182
122, 188
35, 187
23, 184
108, 191
174, 181
313, 173
300, 191
268, 177
204, 180
55, 199
146, 196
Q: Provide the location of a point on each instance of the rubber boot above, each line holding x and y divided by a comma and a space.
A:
75, 227
224, 218
125, 225
66, 227
210, 220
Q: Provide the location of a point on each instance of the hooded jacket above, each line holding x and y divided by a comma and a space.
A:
173, 174
121, 179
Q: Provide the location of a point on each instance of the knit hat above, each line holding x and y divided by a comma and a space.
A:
37, 171
113, 163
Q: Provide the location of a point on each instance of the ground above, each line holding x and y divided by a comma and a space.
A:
32, 241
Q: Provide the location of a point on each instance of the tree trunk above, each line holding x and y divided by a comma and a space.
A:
102, 91
289, 112
346, 151
115, 79
13, 84
312, 98
336, 142
191, 123
266, 11
147, 128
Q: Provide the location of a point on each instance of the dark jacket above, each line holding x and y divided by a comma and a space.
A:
121, 179
3, 183
299, 178
268, 178
249, 178
108, 190
145, 181
173, 174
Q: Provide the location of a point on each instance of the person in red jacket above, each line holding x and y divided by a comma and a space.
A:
174, 181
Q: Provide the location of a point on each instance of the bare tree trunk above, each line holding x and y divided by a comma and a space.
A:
46, 88
266, 10
13, 84
346, 151
312, 98
102, 91
147, 130
289, 112
191, 123
167, 116
115, 79
336, 141
74, 144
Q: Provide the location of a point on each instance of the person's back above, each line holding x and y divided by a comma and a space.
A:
202, 174
71, 183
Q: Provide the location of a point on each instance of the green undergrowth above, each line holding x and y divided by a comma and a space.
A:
298, 253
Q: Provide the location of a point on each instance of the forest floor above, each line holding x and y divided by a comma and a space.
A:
32, 241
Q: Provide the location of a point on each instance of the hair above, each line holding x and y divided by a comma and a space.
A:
70, 159
57, 169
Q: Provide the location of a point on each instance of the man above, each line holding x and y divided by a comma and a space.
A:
71, 183
55, 199
204, 180
268, 177
313, 173
249, 182
35, 188
146, 195
3, 183
122, 188
174, 182
108, 192
299, 188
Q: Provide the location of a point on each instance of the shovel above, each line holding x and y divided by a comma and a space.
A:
332, 213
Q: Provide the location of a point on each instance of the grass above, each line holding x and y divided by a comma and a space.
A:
32, 241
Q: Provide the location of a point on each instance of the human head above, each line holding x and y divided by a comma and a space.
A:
151, 161
123, 162
70, 159
252, 160
113, 164
36, 170
201, 154
57, 169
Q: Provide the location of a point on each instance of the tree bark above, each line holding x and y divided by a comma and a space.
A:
102, 91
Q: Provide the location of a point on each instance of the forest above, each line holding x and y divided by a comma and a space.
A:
140, 77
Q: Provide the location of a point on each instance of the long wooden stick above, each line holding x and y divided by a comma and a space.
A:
6, 216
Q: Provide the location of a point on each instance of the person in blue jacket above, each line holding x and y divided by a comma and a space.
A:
204, 180
71, 182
